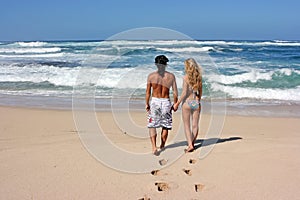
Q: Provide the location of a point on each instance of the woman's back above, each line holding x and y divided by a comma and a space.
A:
191, 94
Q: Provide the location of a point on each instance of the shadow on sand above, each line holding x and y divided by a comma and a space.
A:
204, 142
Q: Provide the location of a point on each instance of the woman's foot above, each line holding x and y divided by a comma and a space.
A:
162, 148
189, 149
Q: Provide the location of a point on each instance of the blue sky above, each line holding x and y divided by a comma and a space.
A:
199, 19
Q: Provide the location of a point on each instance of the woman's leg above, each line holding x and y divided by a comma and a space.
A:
186, 115
195, 124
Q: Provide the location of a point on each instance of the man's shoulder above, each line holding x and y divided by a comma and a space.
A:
170, 73
153, 74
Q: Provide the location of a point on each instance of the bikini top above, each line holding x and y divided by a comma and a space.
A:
195, 92
191, 91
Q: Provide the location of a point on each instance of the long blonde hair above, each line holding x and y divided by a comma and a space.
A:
194, 73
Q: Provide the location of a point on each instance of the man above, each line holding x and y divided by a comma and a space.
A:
159, 111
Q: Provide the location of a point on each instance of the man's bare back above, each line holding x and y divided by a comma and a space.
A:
161, 84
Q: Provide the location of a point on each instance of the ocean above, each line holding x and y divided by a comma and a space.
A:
241, 74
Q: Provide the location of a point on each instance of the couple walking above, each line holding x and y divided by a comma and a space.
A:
160, 108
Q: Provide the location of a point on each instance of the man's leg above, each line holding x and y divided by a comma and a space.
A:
164, 137
166, 122
153, 134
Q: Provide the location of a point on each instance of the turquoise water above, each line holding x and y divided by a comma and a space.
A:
242, 71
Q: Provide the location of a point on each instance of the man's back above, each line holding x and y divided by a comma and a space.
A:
161, 84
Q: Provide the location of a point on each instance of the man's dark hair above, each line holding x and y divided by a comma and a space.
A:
161, 59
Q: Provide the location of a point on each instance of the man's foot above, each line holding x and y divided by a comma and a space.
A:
156, 152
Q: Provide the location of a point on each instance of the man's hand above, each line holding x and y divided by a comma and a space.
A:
147, 107
172, 108
175, 107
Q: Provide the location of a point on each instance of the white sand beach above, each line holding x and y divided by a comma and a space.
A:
42, 157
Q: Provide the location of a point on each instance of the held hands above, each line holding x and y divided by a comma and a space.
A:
175, 107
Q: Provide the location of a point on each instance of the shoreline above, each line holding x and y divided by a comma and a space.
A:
253, 108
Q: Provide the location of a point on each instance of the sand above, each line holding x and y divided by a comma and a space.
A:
42, 157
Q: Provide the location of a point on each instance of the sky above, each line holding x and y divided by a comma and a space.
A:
38, 20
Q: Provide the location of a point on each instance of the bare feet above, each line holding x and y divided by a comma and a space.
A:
162, 148
156, 152
189, 149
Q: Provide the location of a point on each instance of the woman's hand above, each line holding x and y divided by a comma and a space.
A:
175, 107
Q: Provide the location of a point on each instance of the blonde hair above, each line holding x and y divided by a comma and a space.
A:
194, 73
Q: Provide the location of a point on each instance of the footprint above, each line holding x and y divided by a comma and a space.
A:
161, 186
188, 172
154, 172
144, 198
163, 162
192, 161
199, 187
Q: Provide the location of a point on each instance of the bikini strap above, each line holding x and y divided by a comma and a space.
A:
195, 93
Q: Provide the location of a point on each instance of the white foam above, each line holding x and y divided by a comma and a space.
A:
250, 43
39, 73
30, 50
62, 76
187, 49
252, 76
266, 43
31, 44
50, 55
259, 93
126, 78
150, 42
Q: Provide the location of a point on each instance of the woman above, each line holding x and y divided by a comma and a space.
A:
190, 98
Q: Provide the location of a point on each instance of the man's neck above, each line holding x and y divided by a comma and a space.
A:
161, 72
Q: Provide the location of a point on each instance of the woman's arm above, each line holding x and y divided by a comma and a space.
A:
200, 90
183, 94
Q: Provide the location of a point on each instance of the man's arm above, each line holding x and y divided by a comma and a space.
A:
175, 90
182, 96
148, 94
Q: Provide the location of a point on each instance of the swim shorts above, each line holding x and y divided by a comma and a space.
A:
160, 114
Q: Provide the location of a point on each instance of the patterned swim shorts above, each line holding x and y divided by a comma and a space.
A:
160, 114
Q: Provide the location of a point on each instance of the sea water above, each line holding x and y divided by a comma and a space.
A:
248, 76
